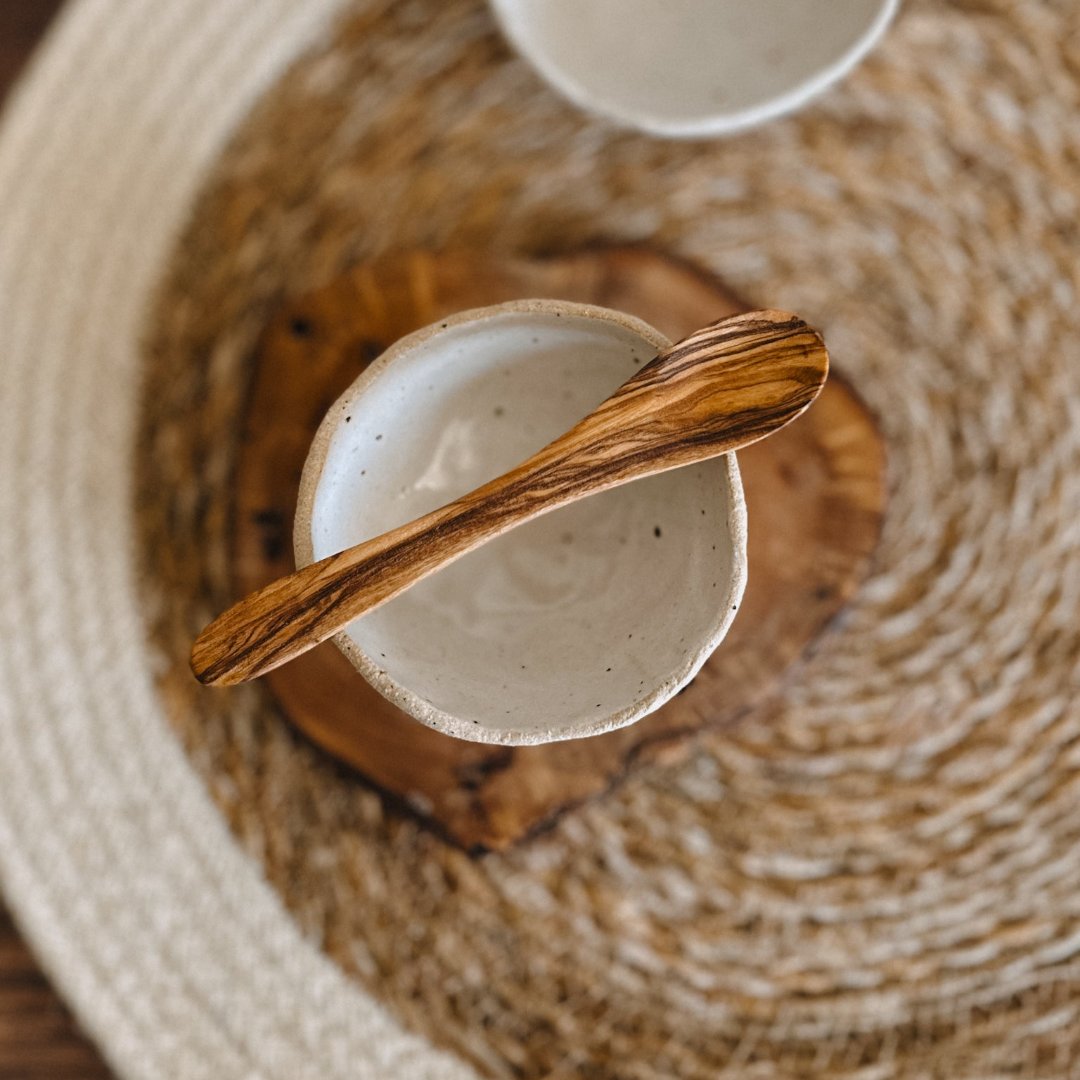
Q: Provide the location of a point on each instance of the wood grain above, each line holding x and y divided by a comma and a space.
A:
38, 1037
719, 390
815, 495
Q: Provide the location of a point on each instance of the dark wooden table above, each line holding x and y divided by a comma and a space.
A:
39, 1039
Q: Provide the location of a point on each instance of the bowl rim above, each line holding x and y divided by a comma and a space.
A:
721, 122
407, 700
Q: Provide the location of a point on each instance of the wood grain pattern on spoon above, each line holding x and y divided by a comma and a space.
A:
720, 389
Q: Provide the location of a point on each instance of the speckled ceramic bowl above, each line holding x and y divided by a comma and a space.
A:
689, 68
581, 621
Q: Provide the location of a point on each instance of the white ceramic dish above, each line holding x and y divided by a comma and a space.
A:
693, 67
579, 622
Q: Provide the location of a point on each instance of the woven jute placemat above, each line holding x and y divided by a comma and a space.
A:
880, 875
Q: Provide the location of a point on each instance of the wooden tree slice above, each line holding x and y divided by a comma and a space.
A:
815, 496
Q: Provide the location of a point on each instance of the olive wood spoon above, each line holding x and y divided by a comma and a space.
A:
720, 389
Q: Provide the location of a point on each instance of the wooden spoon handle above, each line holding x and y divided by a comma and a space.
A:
295, 613
722, 388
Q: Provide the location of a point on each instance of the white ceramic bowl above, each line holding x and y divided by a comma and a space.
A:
693, 67
581, 621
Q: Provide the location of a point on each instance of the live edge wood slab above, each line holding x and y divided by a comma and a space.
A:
815, 497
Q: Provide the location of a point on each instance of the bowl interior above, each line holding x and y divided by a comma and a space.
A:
687, 64
573, 623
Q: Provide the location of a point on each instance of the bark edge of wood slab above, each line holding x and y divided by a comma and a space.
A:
815, 495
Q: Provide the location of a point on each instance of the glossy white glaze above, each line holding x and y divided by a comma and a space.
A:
580, 621
693, 67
